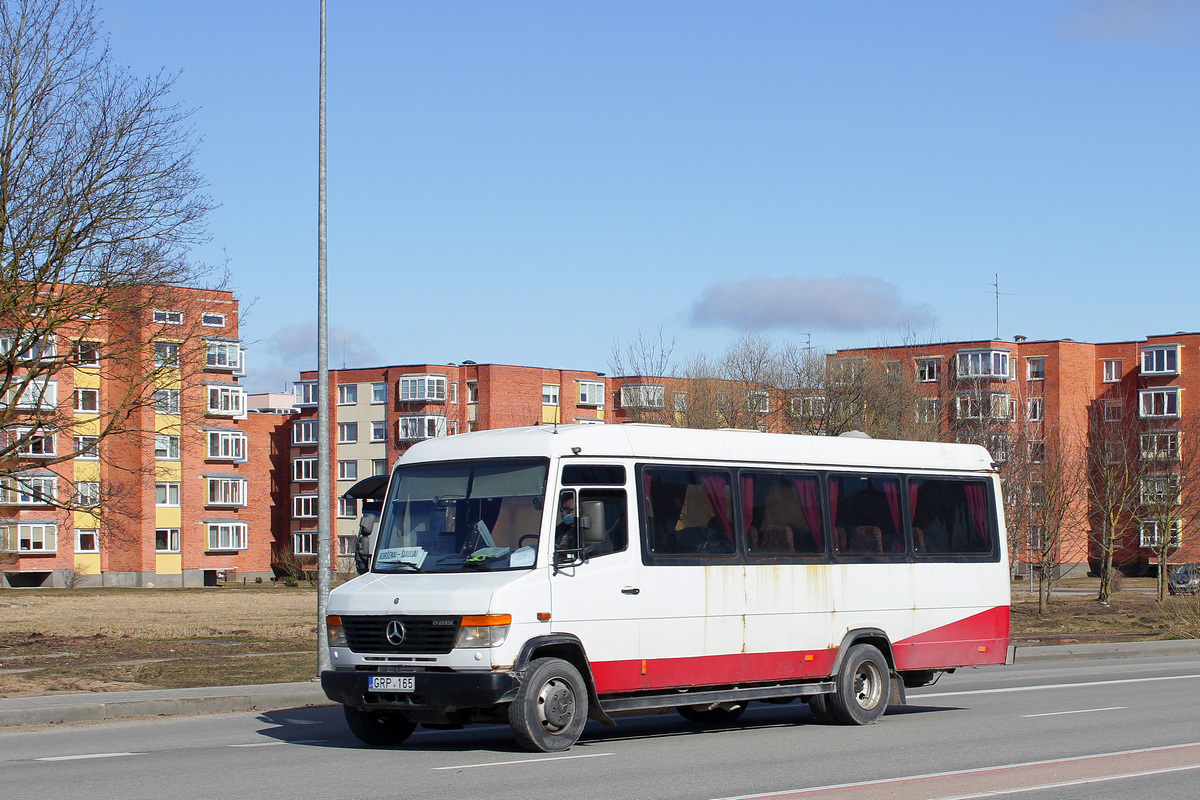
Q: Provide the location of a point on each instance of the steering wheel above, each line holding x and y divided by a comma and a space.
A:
521, 541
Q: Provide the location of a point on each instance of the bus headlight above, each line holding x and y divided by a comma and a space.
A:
487, 630
335, 634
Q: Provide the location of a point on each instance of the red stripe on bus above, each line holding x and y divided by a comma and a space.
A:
979, 639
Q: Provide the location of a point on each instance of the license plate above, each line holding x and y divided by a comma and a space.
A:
392, 683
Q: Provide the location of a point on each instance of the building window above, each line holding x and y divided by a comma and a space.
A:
929, 410
87, 354
166, 448
166, 540
29, 490
549, 394
166, 401
306, 393
305, 432
168, 317
226, 401
379, 431
346, 544
472, 391
39, 537
758, 402
223, 355
1159, 402
421, 427
348, 394
38, 393
1160, 490
1037, 451
304, 543
379, 466
983, 364
679, 402
378, 392
304, 469
430, 388
227, 491
1160, 360
212, 319
1112, 370
1037, 409
808, 406
348, 470
42, 347
1037, 369
892, 373
454, 392
1114, 410
87, 448
1160, 446
929, 369
987, 405
591, 393
166, 494
87, 540
87, 401
1148, 534
643, 395
347, 432
166, 355
304, 506
998, 446
226, 446
347, 508
227, 536
37, 446
87, 494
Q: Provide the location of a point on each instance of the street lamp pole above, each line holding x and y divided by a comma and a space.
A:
324, 495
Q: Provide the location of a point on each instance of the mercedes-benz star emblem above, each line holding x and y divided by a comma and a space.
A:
395, 633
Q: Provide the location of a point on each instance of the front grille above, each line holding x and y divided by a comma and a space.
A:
422, 635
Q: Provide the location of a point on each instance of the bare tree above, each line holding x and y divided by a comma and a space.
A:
1168, 488
1112, 483
1056, 498
100, 205
646, 360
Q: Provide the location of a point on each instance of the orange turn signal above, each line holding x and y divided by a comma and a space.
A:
487, 620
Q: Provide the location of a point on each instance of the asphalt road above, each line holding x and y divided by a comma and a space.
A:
1123, 728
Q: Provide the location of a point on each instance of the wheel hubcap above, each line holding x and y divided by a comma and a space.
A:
868, 685
555, 705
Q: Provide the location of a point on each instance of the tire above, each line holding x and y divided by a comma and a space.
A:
818, 704
711, 716
551, 707
378, 728
863, 684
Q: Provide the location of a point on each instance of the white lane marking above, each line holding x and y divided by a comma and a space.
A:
1055, 686
86, 756
953, 773
524, 761
257, 744
1065, 784
1077, 711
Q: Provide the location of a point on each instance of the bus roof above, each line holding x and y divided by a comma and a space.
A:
632, 440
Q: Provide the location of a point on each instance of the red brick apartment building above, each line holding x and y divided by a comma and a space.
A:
172, 496
1099, 403
376, 413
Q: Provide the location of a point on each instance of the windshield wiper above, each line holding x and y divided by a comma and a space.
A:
398, 566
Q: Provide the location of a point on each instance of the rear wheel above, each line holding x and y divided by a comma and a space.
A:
863, 683
711, 716
378, 728
551, 707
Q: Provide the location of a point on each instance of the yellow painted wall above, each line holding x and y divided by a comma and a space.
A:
168, 563
551, 414
87, 563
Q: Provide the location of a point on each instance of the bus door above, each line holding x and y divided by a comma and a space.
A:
595, 581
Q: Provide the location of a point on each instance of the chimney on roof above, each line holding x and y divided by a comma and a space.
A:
1018, 339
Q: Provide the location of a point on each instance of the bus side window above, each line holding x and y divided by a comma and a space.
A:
603, 522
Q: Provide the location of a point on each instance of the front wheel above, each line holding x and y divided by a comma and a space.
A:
378, 728
863, 683
551, 707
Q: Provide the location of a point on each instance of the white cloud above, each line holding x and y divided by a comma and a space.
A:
279, 359
843, 303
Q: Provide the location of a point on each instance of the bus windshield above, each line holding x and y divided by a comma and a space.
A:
462, 516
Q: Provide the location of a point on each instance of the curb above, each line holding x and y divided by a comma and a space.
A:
1044, 654
54, 709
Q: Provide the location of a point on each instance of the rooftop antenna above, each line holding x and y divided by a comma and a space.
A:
807, 340
996, 291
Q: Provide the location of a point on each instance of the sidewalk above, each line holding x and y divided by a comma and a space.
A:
51, 709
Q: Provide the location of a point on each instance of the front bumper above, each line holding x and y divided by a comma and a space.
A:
435, 691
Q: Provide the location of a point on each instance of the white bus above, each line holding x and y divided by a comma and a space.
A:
543, 576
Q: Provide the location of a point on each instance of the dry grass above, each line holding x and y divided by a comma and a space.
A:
114, 639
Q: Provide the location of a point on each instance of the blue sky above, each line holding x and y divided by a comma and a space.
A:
530, 182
